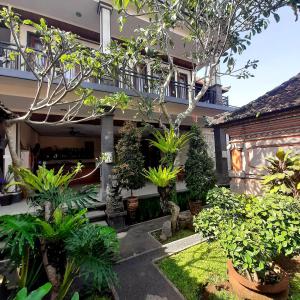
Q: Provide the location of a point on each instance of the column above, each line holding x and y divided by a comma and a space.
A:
221, 156
107, 148
104, 11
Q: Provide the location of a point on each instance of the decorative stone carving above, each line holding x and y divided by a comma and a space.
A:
174, 209
185, 220
166, 230
114, 206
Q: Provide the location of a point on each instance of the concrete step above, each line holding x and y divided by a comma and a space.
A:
96, 215
102, 223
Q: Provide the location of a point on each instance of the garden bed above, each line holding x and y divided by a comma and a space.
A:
200, 271
183, 233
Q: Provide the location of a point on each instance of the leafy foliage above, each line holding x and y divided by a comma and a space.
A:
169, 143
161, 176
254, 232
94, 249
60, 234
38, 294
199, 166
130, 160
283, 173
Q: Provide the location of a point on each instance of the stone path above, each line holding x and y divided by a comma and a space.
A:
139, 278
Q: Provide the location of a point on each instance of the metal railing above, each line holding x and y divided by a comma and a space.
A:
124, 79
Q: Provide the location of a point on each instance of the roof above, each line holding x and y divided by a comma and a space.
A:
286, 96
5, 113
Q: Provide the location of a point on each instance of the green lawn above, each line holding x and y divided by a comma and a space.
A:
177, 236
203, 264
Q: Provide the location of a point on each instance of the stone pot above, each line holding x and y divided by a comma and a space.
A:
132, 206
5, 199
247, 289
195, 207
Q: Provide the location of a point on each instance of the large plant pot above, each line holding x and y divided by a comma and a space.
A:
195, 207
132, 206
247, 289
6, 199
16, 196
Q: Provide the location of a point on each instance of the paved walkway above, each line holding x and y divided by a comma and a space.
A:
139, 278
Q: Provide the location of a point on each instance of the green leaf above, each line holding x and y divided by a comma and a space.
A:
75, 296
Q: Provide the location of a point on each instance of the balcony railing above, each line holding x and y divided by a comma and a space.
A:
125, 79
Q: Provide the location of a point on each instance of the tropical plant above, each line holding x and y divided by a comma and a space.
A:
5, 180
161, 176
52, 66
254, 231
169, 144
59, 235
199, 166
38, 294
283, 173
130, 160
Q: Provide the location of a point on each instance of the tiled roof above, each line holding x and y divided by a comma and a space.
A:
285, 96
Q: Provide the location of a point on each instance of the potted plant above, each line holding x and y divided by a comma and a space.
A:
130, 164
7, 196
254, 232
199, 170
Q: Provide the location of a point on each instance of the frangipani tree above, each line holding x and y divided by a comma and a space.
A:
215, 32
60, 66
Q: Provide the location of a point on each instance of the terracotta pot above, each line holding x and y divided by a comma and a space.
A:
5, 199
243, 286
195, 207
132, 205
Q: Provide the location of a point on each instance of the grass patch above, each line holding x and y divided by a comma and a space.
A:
177, 236
195, 267
204, 264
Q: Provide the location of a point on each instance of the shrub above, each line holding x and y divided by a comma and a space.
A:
199, 167
130, 160
254, 231
283, 173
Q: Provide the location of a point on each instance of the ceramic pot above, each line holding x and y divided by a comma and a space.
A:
195, 207
247, 289
5, 199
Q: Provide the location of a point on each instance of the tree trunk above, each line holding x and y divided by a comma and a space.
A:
164, 193
16, 160
50, 271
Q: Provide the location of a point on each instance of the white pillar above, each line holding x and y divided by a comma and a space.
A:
104, 11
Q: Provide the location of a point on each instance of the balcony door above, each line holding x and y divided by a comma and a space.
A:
182, 86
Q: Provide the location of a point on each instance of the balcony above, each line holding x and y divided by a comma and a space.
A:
133, 83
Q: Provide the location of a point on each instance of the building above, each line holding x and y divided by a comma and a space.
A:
95, 23
256, 130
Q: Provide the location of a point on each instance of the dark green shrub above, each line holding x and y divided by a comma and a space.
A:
130, 160
199, 167
253, 231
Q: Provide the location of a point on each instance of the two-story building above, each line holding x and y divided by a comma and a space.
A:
96, 24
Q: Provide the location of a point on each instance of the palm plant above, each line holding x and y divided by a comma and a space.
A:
162, 177
60, 234
169, 144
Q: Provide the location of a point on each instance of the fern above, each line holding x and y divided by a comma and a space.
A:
94, 249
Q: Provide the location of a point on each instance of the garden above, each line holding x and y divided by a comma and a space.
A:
250, 244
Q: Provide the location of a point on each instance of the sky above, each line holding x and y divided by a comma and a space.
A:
278, 51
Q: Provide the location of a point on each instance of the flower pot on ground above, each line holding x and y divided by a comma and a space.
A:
254, 232
199, 170
130, 163
5, 199
195, 207
248, 289
132, 206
